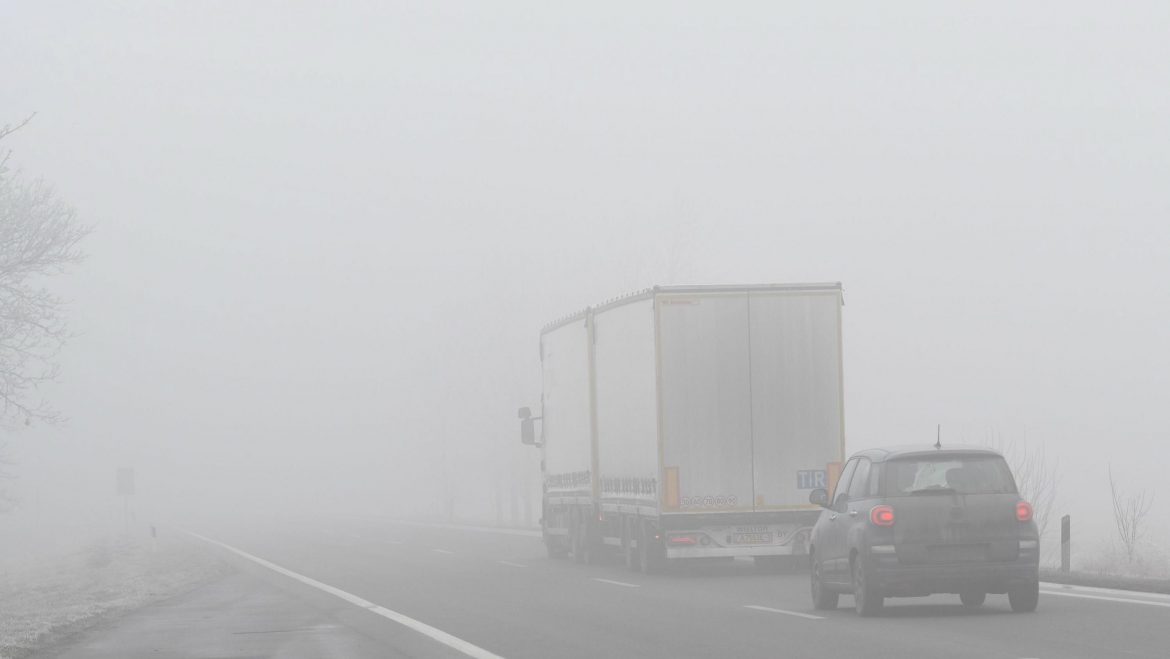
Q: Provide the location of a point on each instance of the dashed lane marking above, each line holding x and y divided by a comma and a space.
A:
617, 583
451, 641
769, 609
443, 551
511, 564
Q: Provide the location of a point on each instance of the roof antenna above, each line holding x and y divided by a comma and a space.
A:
938, 439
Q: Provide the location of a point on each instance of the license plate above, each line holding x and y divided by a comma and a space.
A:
751, 538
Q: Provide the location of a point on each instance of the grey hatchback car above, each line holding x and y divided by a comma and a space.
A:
915, 521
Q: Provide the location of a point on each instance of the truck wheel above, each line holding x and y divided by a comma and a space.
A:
633, 547
972, 598
866, 599
649, 558
823, 598
555, 550
577, 541
1025, 598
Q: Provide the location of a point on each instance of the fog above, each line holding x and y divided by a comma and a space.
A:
326, 237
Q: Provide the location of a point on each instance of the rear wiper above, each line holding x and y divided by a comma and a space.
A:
935, 490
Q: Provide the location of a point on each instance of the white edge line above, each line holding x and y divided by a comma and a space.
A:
443, 551
510, 563
439, 635
1094, 590
769, 609
1104, 598
617, 583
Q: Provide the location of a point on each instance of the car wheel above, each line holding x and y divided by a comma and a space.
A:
866, 599
972, 598
823, 598
1025, 598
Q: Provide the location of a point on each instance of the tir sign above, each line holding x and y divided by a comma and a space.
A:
811, 479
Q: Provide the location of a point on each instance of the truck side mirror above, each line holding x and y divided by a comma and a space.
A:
524, 413
527, 433
819, 497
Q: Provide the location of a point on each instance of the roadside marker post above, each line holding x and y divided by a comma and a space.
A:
1065, 543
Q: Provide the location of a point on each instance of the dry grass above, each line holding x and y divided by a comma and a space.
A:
52, 599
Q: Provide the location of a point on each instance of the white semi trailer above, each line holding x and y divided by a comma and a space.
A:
690, 422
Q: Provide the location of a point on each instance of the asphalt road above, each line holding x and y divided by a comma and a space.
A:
499, 593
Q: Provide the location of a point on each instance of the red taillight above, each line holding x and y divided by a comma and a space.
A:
882, 515
1024, 511
681, 540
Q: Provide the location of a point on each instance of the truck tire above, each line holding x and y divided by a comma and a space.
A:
651, 555
633, 546
577, 541
554, 547
1025, 598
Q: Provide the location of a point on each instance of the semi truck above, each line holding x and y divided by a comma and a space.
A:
690, 422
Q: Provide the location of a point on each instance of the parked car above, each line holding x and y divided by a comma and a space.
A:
911, 522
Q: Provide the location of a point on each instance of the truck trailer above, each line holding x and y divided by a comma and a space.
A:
690, 422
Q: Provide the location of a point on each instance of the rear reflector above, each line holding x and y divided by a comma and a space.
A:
681, 540
1024, 511
882, 515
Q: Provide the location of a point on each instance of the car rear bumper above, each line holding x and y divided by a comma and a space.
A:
896, 580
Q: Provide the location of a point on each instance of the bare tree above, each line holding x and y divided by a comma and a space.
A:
1037, 477
1129, 513
39, 237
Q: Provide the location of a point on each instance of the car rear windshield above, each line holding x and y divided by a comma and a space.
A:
960, 474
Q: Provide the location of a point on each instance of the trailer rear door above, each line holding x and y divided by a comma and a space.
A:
705, 389
796, 394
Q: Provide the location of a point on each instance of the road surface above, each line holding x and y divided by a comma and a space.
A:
418, 590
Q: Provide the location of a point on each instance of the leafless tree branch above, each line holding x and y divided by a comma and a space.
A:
1129, 514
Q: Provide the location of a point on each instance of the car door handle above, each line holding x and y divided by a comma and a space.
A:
853, 513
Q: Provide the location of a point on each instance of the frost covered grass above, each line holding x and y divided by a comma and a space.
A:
45, 599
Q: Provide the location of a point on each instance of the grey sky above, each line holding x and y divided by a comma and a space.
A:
328, 233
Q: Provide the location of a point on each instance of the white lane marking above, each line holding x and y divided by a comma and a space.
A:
787, 613
453, 642
443, 551
510, 563
617, 583
1046, 587
1103, 598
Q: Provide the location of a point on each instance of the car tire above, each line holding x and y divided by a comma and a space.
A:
823, 598
866, 599
972, 598
1025, 598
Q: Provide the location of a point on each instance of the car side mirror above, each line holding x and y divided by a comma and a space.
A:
819, 497
524, 413
527, 432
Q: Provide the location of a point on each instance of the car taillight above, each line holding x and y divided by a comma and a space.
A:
1024, 511
882, 515
681, 540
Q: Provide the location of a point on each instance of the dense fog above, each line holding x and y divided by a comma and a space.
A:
325, 238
